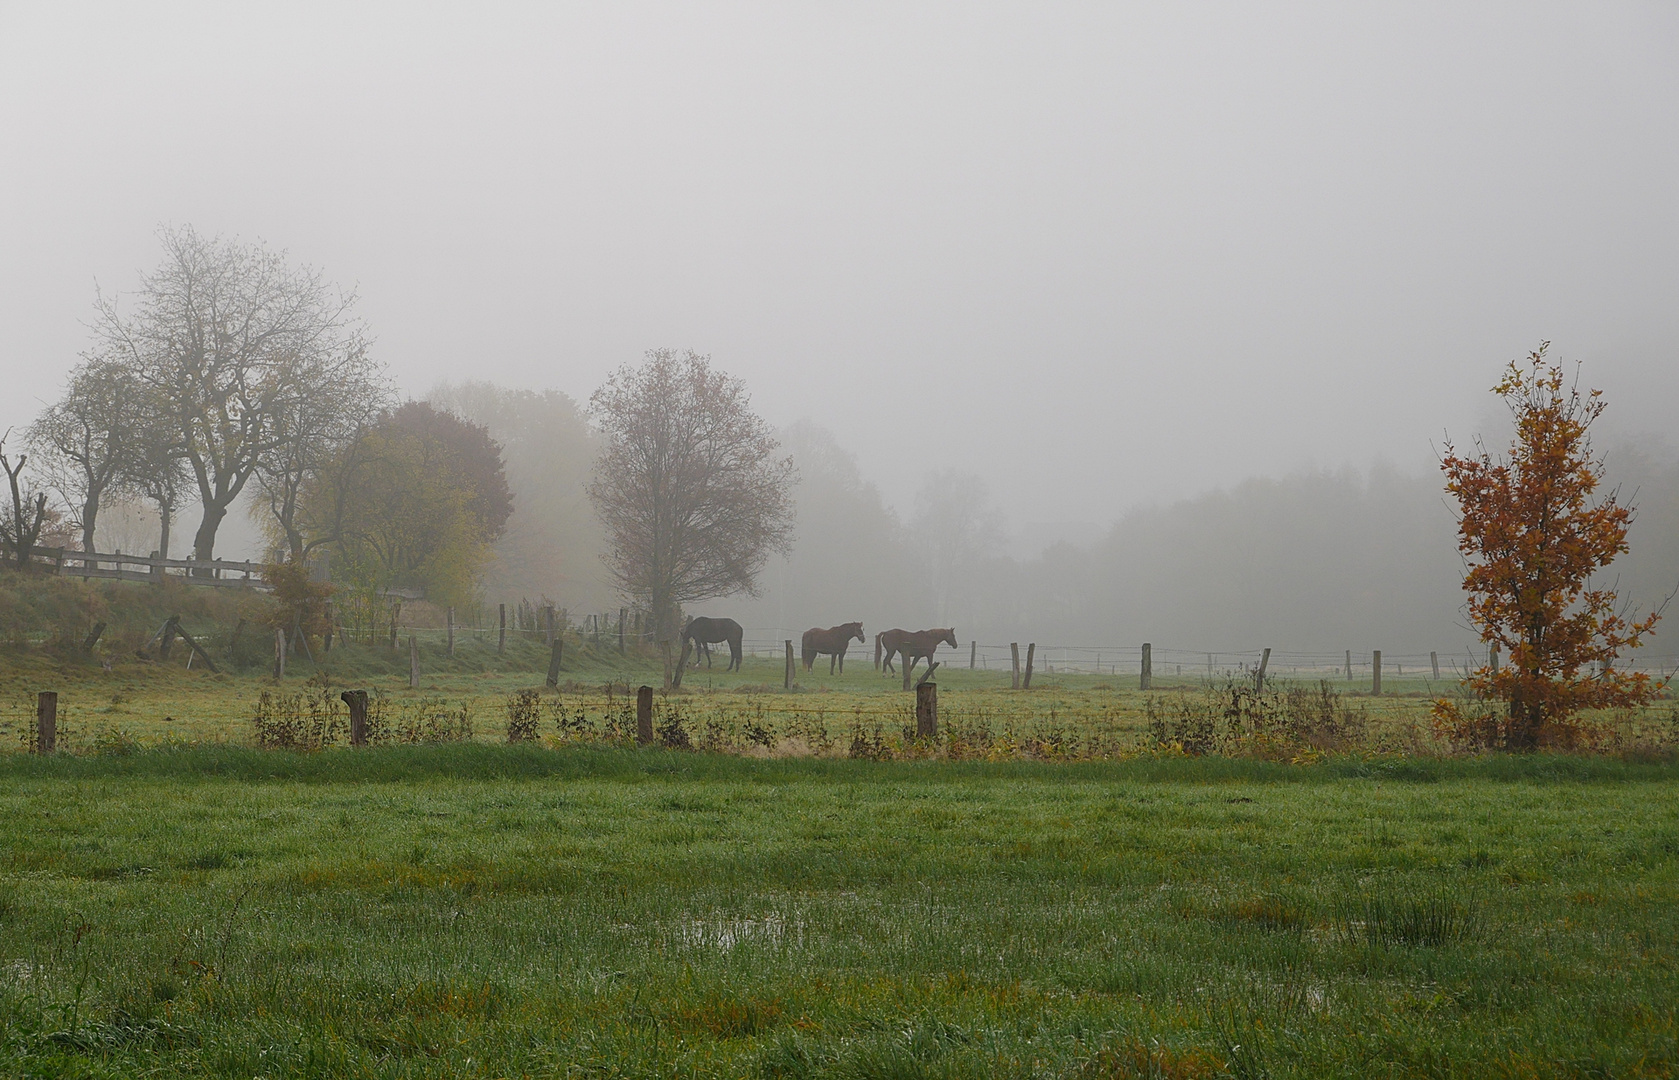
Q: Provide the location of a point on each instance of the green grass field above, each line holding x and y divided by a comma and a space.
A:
473, 910
1043, 892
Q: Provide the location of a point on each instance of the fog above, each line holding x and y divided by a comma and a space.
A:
1181, 300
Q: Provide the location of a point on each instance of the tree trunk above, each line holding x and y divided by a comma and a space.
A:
204, 543
166, 515
90, 515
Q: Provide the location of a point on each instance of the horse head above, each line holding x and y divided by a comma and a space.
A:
856, 629
947, 637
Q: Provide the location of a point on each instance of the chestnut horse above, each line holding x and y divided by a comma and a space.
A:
705, 631
833, 641
912, 645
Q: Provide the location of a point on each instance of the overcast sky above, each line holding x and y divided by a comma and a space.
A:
1100, 253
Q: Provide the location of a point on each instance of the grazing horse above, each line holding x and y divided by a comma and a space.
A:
833, 641
913, 645
704, 631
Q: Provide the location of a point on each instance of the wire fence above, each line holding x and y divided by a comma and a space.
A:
1109, 660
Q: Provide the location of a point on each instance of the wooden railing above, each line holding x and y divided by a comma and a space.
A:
115, 565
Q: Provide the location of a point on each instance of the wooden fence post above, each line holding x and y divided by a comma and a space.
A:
927, 710
279, 655
413, 663
1259, 676
92, 638
46, 722
622, 613
1492, 659
1148, 667
1031, 651
501, 636
644, 715
357, 702
788, 642
1014, 665
664, 651
1434, 664
449, 619
1376, 672
877, 652
556, 653
395, 611
973, 654
1349, 665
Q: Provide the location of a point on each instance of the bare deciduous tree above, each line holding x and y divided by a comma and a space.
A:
87, 440
27, 515
688, 484
346, 392
227, 337
157, 470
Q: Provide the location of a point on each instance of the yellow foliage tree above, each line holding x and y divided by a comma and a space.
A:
416, 501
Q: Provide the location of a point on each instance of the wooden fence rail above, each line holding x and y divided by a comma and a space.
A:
117, 566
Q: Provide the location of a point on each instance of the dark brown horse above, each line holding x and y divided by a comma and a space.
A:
833, 641
705, 631
913, 645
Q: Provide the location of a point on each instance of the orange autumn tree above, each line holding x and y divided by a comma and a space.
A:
1533, 531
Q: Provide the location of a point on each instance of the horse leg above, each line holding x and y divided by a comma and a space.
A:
734, 653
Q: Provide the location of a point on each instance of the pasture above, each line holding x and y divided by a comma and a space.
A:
469, 910
158, 704
1063, 897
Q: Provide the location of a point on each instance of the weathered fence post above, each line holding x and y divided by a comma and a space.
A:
556, 653
395, 611
973, 654
1014, 665
357, 702
664, 651
279, 655
92, 638
413, 663
1031, 651
1259, 676
644, 715
46, 722
1376, 671
789, 678
1148, 667
622, 614
449, 619
501, 636
1434, 664
927, 710
1492, 659
1349, 665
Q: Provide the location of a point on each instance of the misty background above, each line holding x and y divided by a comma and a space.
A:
1093, 324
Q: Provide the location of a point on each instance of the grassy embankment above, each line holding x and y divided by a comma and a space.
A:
477, 910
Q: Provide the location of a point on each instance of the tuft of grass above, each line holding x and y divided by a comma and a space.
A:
1427, 922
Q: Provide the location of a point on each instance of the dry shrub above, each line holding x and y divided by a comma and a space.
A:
433, 720
1238, 720
307, 720
524, 710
